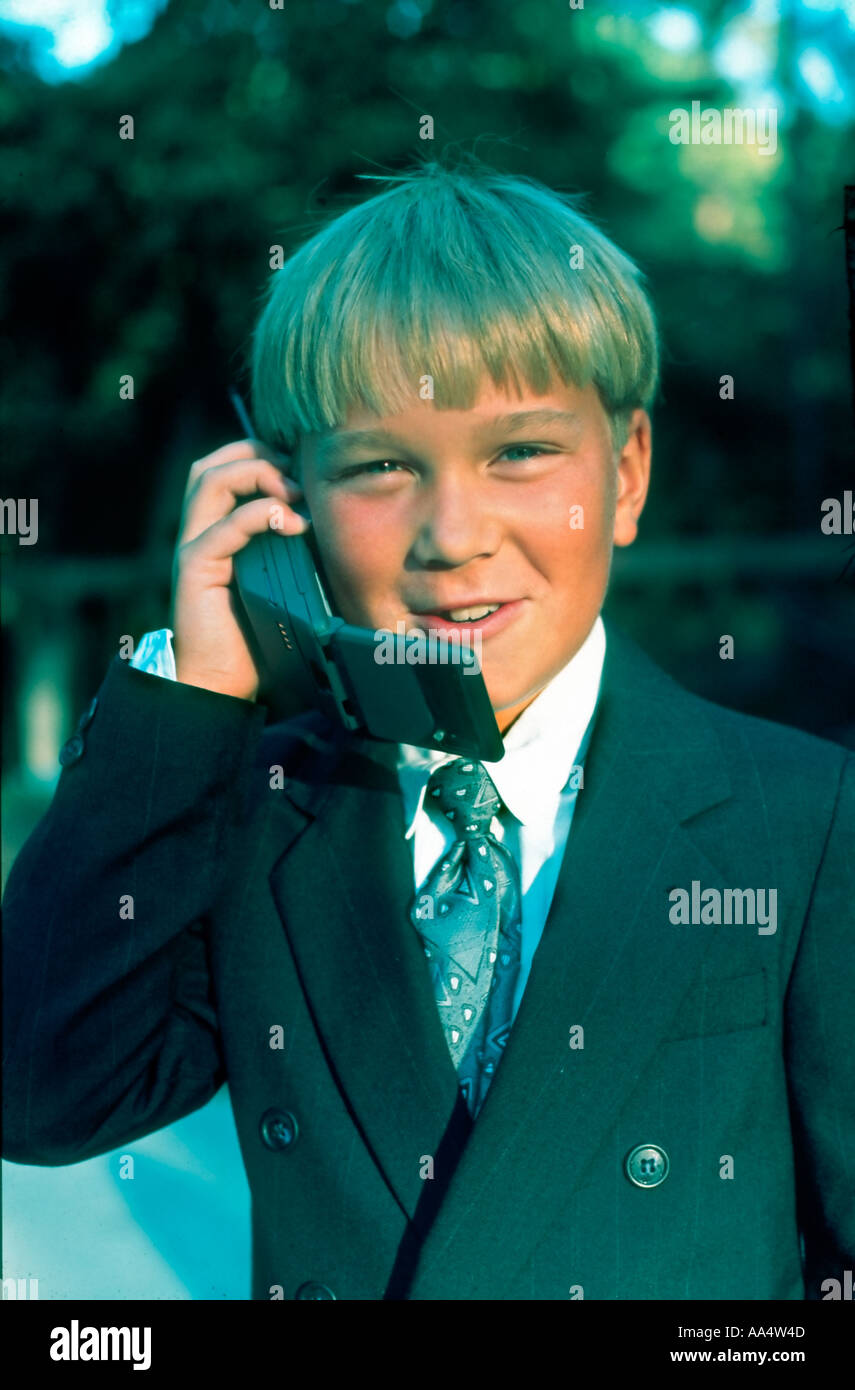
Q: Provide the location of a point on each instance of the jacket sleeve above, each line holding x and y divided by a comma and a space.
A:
109, 1025
821, 1058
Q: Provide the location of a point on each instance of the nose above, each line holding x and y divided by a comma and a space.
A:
455, 524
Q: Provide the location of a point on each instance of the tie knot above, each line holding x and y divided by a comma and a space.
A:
464, 793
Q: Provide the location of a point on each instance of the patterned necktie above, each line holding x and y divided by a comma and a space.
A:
467, 913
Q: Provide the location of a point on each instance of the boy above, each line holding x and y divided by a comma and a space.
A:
586, 1040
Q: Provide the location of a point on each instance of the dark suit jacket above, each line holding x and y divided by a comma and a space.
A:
260, 908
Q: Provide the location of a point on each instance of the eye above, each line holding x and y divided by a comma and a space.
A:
377, 468
530, 449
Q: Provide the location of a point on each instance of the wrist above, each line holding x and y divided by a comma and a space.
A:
217, 684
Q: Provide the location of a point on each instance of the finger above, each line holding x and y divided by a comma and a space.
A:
232, 532
234, 452
218, 489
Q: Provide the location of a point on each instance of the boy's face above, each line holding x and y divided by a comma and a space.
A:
444, 510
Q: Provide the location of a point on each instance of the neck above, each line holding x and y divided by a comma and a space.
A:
506, 717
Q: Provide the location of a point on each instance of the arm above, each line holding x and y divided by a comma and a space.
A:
109, 1029
109, 1023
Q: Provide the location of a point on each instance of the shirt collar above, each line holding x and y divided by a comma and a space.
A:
540, 746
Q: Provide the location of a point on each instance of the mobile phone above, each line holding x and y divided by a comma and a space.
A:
309, 657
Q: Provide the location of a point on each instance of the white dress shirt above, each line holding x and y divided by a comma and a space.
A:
537, 780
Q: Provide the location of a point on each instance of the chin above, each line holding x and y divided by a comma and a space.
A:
504, 696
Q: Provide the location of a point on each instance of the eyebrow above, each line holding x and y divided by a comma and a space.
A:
336, 445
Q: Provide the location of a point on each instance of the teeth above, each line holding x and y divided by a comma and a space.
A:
462, 615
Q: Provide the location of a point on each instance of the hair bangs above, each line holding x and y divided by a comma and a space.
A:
422, 290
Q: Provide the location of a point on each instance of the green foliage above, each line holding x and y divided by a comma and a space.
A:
149, 256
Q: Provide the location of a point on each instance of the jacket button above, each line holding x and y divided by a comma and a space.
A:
278, 1129
647, 1165
71, 750
312, 1290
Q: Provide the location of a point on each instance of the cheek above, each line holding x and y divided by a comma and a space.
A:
568, 533
358, 547
572, 562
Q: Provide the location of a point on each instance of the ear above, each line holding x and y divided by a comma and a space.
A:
633, 478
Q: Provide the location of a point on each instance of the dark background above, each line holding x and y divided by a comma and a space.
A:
150, 257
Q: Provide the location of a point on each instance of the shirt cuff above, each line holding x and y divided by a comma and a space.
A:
154, 654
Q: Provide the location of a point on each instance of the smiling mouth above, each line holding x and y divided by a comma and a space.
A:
487, 617
472, 614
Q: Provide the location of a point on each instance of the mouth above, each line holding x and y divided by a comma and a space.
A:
487, 617
470, 613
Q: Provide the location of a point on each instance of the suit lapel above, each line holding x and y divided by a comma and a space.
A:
344, 887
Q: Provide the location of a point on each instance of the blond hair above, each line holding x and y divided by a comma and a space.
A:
451, 273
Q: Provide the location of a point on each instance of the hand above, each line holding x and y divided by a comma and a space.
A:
210, 648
